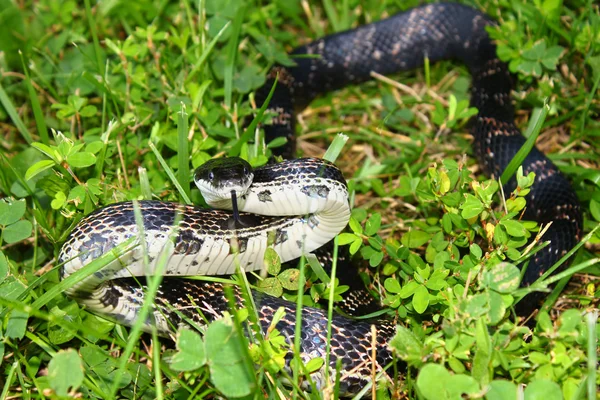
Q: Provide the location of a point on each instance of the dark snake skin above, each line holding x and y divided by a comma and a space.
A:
399, 43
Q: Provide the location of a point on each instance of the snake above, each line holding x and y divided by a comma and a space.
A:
314, 197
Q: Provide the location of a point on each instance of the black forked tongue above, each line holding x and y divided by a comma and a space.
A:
234, 207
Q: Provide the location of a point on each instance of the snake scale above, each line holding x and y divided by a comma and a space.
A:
401, 42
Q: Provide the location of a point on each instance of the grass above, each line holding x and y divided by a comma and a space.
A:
143, 93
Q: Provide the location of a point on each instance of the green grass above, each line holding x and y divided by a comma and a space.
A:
143, 93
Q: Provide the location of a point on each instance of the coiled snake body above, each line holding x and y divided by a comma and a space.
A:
437, 31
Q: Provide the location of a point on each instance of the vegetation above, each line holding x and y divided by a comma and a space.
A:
112, 101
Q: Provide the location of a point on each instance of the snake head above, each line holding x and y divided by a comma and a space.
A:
219, 177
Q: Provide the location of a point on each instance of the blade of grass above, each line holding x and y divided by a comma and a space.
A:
145, 187
520, 293
94, 32
232, 51
63, 323
553, 296
345, 15
249, 132
99, 168
8, 380
104, 104
183, 156
335, 148
14, 115
592, 354
317, 268
156, 347
427, 69
313, 20
170, 173
330, 307
563, 259
297, 367
588, 103
190, 17
332, 15
206, 53
237, 322
154, 279
533, 131
85, 272
105, 89
38, 114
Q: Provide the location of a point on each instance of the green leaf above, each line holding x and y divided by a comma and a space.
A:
435, 382
515, 205
59, 201
314, 364
595, 209
17, 323
415, 238
88, 111
4, 267
409, 289
372, 225
501, 390
272, 261
47, 150
406, 344
290, 278
447, 223
355, 226
536, 52
569, 320
551, 57
81, 160
513, 228
503, 278
472, 207
38, 168
346, 238
94, 147
475, 251
272, 286
56, 332
18, 231
355, 245
65, 372
392, 285
230, 371
420, 299
11, 212
376, 258
543, 389
190, 351
481, 369
497, 307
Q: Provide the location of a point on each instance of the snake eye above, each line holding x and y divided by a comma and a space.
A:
211, 176
245, 171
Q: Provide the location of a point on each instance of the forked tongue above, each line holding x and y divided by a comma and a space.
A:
234, 207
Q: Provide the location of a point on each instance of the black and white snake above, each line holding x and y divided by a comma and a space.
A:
204, 239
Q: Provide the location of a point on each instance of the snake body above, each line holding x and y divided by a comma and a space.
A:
211, 242
402, 42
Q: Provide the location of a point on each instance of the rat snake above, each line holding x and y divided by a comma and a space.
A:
402, 42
